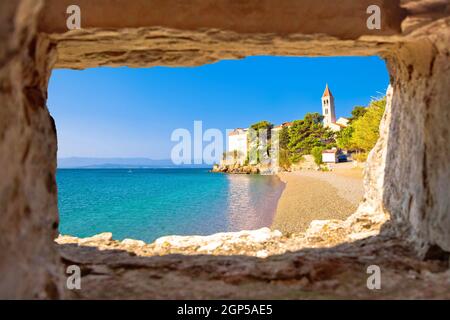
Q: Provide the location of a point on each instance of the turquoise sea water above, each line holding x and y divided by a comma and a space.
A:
148, 203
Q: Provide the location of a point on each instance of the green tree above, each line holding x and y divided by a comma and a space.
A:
344, 138
284, 138
306, 134
262, 125
283, 159
366, 127
254, 136
317, 154
362, 132
357, 112
284, 153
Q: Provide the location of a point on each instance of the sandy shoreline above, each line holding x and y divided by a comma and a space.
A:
313, 195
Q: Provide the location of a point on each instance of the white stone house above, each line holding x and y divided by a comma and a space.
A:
330, 156
237, 145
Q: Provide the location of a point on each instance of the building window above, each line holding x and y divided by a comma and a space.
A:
326, 111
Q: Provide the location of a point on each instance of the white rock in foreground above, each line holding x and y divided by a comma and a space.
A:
132, 243
96, 239
105, 236
214, 241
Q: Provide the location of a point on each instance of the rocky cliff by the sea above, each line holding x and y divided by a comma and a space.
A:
236, 168
306, 163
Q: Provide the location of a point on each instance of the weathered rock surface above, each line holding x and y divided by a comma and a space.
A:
246, 242
314, 273
256, 264
246, 169
236, 169
205, 31
307, 163
250, 16
416, 192
29, 264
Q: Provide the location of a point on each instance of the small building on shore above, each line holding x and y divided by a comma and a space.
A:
330, 156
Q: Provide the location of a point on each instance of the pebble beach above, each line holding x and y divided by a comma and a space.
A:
315, 195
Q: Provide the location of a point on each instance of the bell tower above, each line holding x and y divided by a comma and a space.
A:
329, 115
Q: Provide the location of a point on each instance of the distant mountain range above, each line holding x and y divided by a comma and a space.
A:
118, 163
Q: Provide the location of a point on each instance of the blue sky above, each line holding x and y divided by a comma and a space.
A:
126, 112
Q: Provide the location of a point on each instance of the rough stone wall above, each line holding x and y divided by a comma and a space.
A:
374, 172
408, 172
344, 20
28, 208
180, 33
417, 169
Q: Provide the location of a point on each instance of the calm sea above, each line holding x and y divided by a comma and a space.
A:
148, 203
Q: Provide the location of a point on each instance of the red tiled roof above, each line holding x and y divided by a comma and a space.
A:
236, 132
284, 124
327, 92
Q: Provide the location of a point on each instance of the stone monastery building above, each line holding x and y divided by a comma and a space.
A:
238, 142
